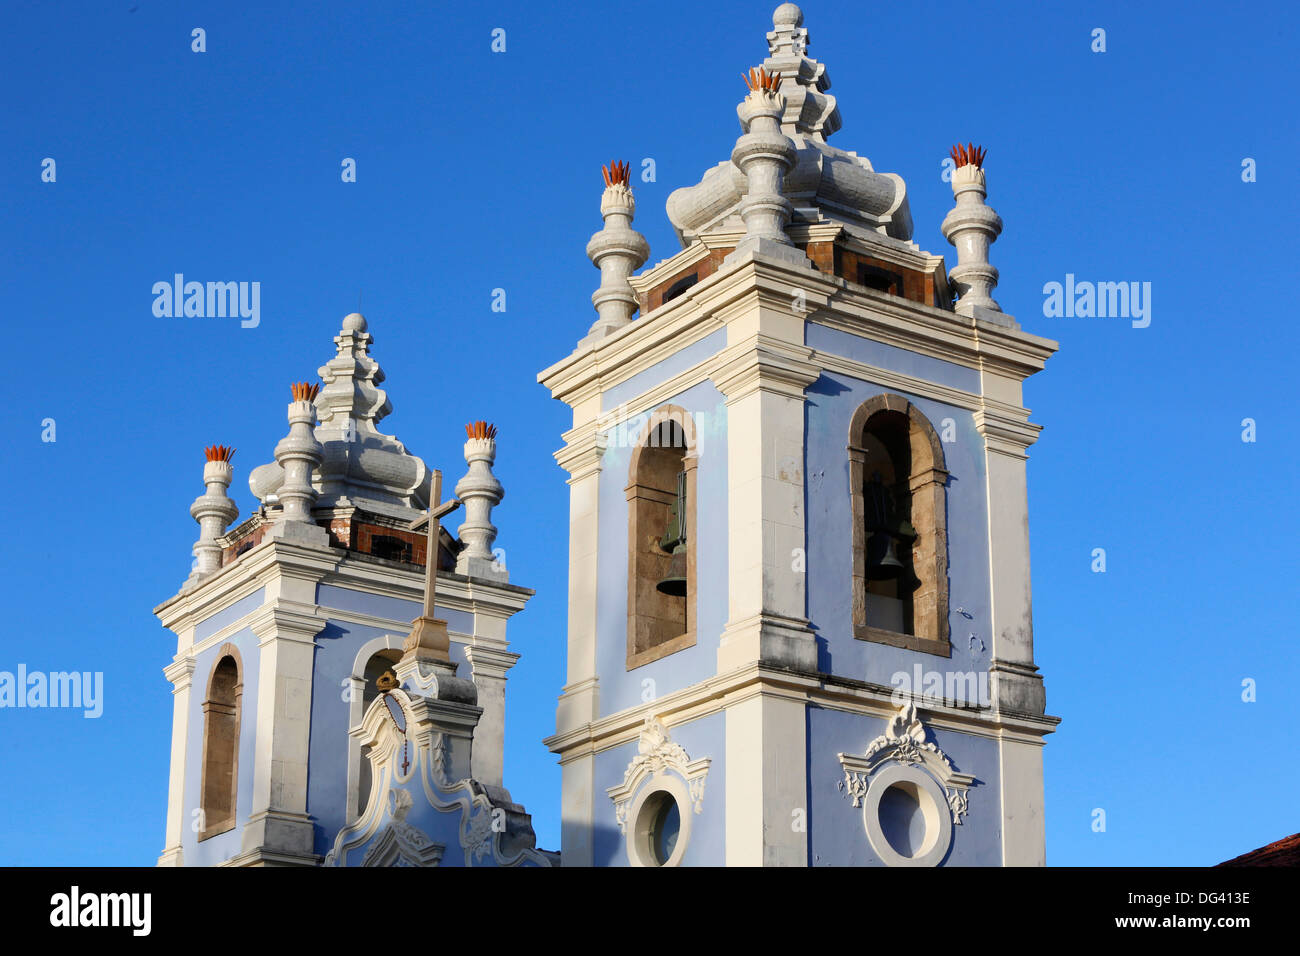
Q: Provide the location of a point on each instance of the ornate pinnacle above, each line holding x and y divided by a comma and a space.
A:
968, 155
616, 173
617, 250
480, 430
971, 226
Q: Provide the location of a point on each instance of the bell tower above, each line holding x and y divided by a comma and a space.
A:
293, 743
799, 596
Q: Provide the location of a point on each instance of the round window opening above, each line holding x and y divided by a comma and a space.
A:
665, 826
907, 818
902, 820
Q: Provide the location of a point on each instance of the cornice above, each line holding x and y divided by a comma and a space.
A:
287, 621
180, 672
829, 300
717, 693
253, 570
699, 311
1006, 429
764, 363
583, 450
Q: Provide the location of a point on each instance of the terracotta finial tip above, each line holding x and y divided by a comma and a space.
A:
302, 392
219, 453
480, 429
968, 155
616, 173
760, 79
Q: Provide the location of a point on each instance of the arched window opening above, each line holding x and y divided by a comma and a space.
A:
221, 746
661, 540
887, 512
379, 663
900, 551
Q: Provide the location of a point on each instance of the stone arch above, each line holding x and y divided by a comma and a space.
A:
659, 624
361, 691
926, 628
219, 781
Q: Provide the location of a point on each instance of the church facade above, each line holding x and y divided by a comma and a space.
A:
799, 627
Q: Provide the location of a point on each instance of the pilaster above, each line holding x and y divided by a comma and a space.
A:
767, 773
489, 667
763, 378
279, 828
181, 675
1015, 684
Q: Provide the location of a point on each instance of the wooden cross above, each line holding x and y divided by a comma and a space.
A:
433, 520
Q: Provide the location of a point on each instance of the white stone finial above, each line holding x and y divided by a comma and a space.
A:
362, 466
481, 492
786, 21
765, 154
213, 510
299, 454
617, 251
971, 226
809, 110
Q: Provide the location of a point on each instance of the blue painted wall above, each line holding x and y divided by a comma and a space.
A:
837, 834
395, 609
705, 737
620, 688
337, 646
832, 400
678, 362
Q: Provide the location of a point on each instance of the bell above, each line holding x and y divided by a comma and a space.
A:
674, 542
882, 557
674, 582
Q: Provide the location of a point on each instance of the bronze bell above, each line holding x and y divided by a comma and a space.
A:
887, 529
882, 557
674, 542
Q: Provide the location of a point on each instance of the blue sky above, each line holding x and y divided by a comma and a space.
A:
479, 171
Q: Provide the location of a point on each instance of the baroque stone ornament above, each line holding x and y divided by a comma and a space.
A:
401, 843
658, 755
410, 800
904, 743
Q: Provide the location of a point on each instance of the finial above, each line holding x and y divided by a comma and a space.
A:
760, 79
968, 155
787, 15
972, 227
302, 392
765, 154
481, 492
616, 174
617, 251
480, 430
299, 454
809, 110
354, 322
213, 510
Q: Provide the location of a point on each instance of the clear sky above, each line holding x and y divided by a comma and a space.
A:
479, 170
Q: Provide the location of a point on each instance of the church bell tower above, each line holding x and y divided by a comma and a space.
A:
799, 624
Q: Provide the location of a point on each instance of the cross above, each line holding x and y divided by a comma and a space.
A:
433, 520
